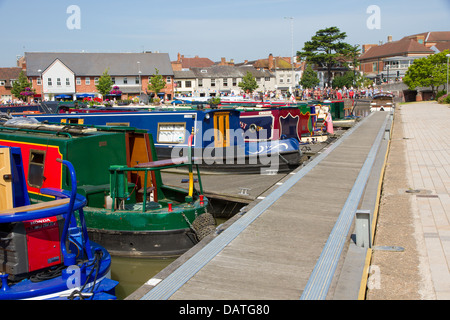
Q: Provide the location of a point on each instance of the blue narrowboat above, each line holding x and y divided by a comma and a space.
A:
46, 253
219, 143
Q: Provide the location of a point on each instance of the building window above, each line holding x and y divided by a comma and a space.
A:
58, 81
2, 82
168, 80
67, 82
87, 81
234, 82
213, 82
188, 84
49, 82
200, 82
136, 80
125, 81
178, 84
78, 81
225, 82
96, 80
113, 79
267, 78
38, 81
374, 66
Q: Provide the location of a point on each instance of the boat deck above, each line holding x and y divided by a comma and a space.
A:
292, 241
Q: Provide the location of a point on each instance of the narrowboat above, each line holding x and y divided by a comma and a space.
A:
46, 253
218, 142
277, 123
129, 210
383, 101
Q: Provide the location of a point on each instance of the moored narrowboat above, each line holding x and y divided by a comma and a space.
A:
218, 142
46, 254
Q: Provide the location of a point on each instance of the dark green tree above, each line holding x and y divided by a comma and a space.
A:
21, 88
248, 83
347, 80
309, 77
105, 83
326, 49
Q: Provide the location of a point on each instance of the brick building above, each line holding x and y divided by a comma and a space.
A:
7, 78
74, 76
391, 60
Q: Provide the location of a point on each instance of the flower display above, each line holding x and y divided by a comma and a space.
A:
92, 102
27, 92
115, 91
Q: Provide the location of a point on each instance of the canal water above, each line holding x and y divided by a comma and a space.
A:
132, 273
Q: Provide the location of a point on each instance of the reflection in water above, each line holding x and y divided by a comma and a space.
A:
134, 272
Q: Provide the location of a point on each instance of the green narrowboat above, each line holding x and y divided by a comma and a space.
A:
129, 210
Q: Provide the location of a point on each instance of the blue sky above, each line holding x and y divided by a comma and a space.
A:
234, 29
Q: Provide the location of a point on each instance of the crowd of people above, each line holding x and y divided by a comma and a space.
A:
337, 93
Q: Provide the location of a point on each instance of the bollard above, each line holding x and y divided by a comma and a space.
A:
363, 238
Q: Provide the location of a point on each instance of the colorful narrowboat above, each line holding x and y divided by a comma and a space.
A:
218, 142
129, 209
382, 101
46, 254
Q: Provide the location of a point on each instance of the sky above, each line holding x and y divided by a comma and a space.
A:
233, 29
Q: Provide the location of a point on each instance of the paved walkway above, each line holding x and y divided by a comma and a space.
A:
271, 251
426, 133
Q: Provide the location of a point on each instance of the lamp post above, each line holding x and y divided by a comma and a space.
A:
140, 84
292, 51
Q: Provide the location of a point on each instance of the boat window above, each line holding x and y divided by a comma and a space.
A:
171, 132
73, 120
118, 124
36, 168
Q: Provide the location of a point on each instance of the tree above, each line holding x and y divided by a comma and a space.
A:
21, 88
429, 71
326, 49
248, 83
104, 83
347, 80
309, 78
157, 83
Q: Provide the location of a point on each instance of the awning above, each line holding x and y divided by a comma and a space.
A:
85, 95
63, 96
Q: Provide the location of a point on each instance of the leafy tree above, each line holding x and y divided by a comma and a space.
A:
309, 78
157, 83
347, 80
248, 83
104, 83
326, 49
429, 71
21, 88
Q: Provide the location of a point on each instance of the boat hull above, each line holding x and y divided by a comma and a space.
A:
148, 244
